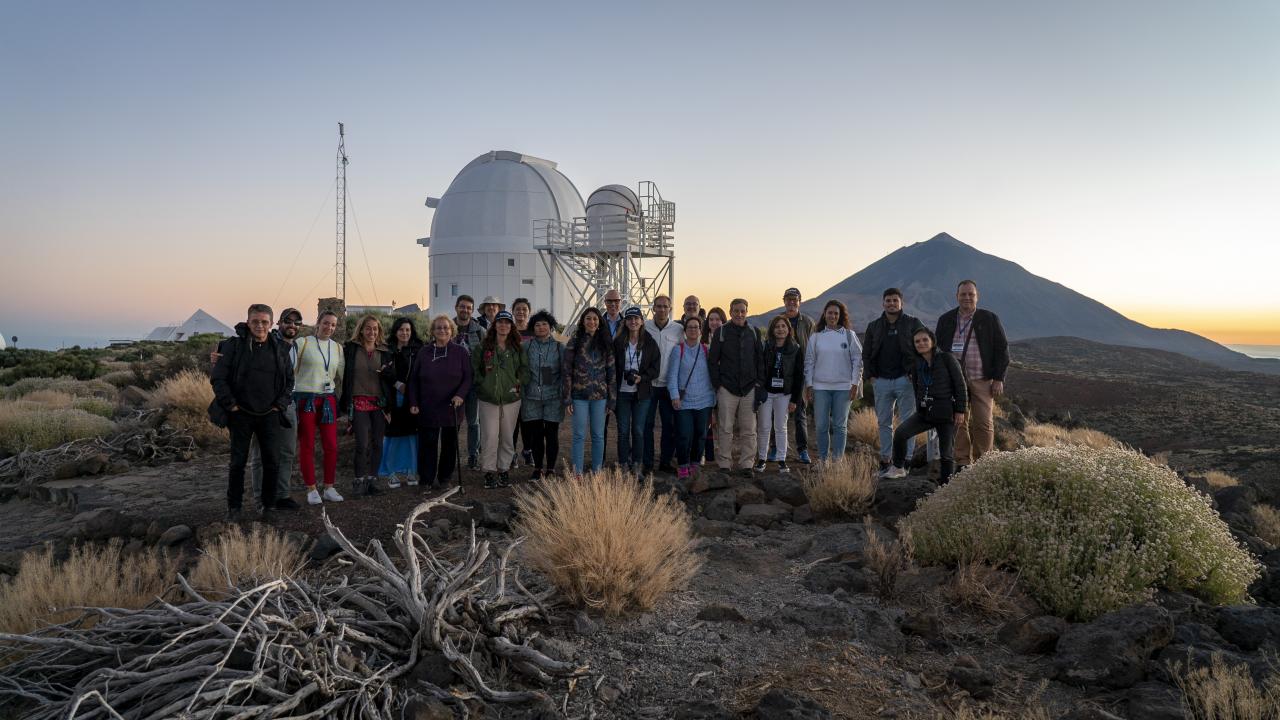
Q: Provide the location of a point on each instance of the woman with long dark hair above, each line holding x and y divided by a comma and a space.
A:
400, 444
942, 399
716, 317
499, 370
589, 386
832, 376
438, 386
542, 409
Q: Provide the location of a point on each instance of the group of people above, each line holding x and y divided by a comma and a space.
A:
722, 390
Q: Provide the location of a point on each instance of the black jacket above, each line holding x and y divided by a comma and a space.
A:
650, 361
402, 421
792, 371
877, 332
948, 386
381, 358
228, 377
987, 332
732, 359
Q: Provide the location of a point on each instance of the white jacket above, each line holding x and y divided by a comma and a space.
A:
832, 360
667, 338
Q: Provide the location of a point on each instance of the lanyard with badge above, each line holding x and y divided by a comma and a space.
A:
776, 382
328, 379
960, 343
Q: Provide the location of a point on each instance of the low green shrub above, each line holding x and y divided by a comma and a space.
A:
1088, 530
56, 399
26, 425
67, 385
16, 364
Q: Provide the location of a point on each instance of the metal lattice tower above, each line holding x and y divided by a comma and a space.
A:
340, 264
632, 251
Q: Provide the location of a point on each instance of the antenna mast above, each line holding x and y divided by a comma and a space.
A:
340, 264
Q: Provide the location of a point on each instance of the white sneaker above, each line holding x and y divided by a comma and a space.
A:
894, 472
412, 481
313, 498
394, 482
331, 494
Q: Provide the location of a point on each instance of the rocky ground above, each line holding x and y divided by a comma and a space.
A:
788, 617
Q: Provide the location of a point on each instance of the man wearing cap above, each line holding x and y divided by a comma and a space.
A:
801, 329
286, 331
489, 308
613, 313
470, 333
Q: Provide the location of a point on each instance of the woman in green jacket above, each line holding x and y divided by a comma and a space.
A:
499, 368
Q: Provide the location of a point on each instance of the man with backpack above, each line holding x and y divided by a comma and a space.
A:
732, 363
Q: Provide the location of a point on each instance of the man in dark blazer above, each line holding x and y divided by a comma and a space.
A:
977, 339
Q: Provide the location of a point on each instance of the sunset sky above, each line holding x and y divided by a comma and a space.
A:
162, 157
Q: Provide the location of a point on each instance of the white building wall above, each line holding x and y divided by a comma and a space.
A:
507, 275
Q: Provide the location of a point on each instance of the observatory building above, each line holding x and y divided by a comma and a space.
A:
513, 225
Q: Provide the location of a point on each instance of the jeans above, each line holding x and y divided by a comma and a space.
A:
831, 413
288, 452
915, 425
896, 394
472, 407
631, 412
660, 405
244, 427
585, 411
542, 437
370, 427
693, 428
437, 454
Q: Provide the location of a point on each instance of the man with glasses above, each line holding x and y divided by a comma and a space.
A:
668, 334
693, 308
613, 312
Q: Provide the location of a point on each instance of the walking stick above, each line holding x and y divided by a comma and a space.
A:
457, 448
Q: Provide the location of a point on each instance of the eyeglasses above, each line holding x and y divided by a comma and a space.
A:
612, 301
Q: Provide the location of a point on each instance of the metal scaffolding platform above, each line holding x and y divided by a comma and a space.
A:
632, 250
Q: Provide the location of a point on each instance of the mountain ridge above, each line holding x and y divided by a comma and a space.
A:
1030, 306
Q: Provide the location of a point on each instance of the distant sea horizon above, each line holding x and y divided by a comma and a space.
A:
1257, 351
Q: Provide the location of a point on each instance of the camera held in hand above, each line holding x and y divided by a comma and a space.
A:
633, 377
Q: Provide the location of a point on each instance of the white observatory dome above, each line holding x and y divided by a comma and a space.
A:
613, 200
491, 205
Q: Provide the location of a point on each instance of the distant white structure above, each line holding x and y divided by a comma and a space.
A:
3, 344
199, 322
481, 239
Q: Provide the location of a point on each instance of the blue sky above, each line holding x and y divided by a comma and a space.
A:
167, 156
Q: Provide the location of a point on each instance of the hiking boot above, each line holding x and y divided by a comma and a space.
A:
287, 504
504, 479
371, 486
804, 457
331, 494
490, 481
760, 466
782, 467
313, 497
393, 482
537, 474
527, 454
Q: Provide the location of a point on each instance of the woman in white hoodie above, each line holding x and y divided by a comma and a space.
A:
832, 377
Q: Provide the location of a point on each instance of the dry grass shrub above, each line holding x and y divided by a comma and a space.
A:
1048, 435
68, 385
1218, 480
26, 425
1220, 691
605, 541
45, 592
843, 678
886, 560
843, 486
237, 558
1033, 711
864, 427
984, 589
184, 399
118, 378
1087, 530
1266, 523
56, 399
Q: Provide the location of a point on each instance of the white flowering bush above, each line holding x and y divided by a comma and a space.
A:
1088, 530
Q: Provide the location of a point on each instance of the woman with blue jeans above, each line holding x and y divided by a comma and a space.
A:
638, 361
589, 386
692, 395
832, 373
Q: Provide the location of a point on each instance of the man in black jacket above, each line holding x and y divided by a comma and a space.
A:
887, 356
977, 339
732, 364
252, 381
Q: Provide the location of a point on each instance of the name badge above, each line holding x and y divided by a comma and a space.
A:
328, 386
957, 347
776, 382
